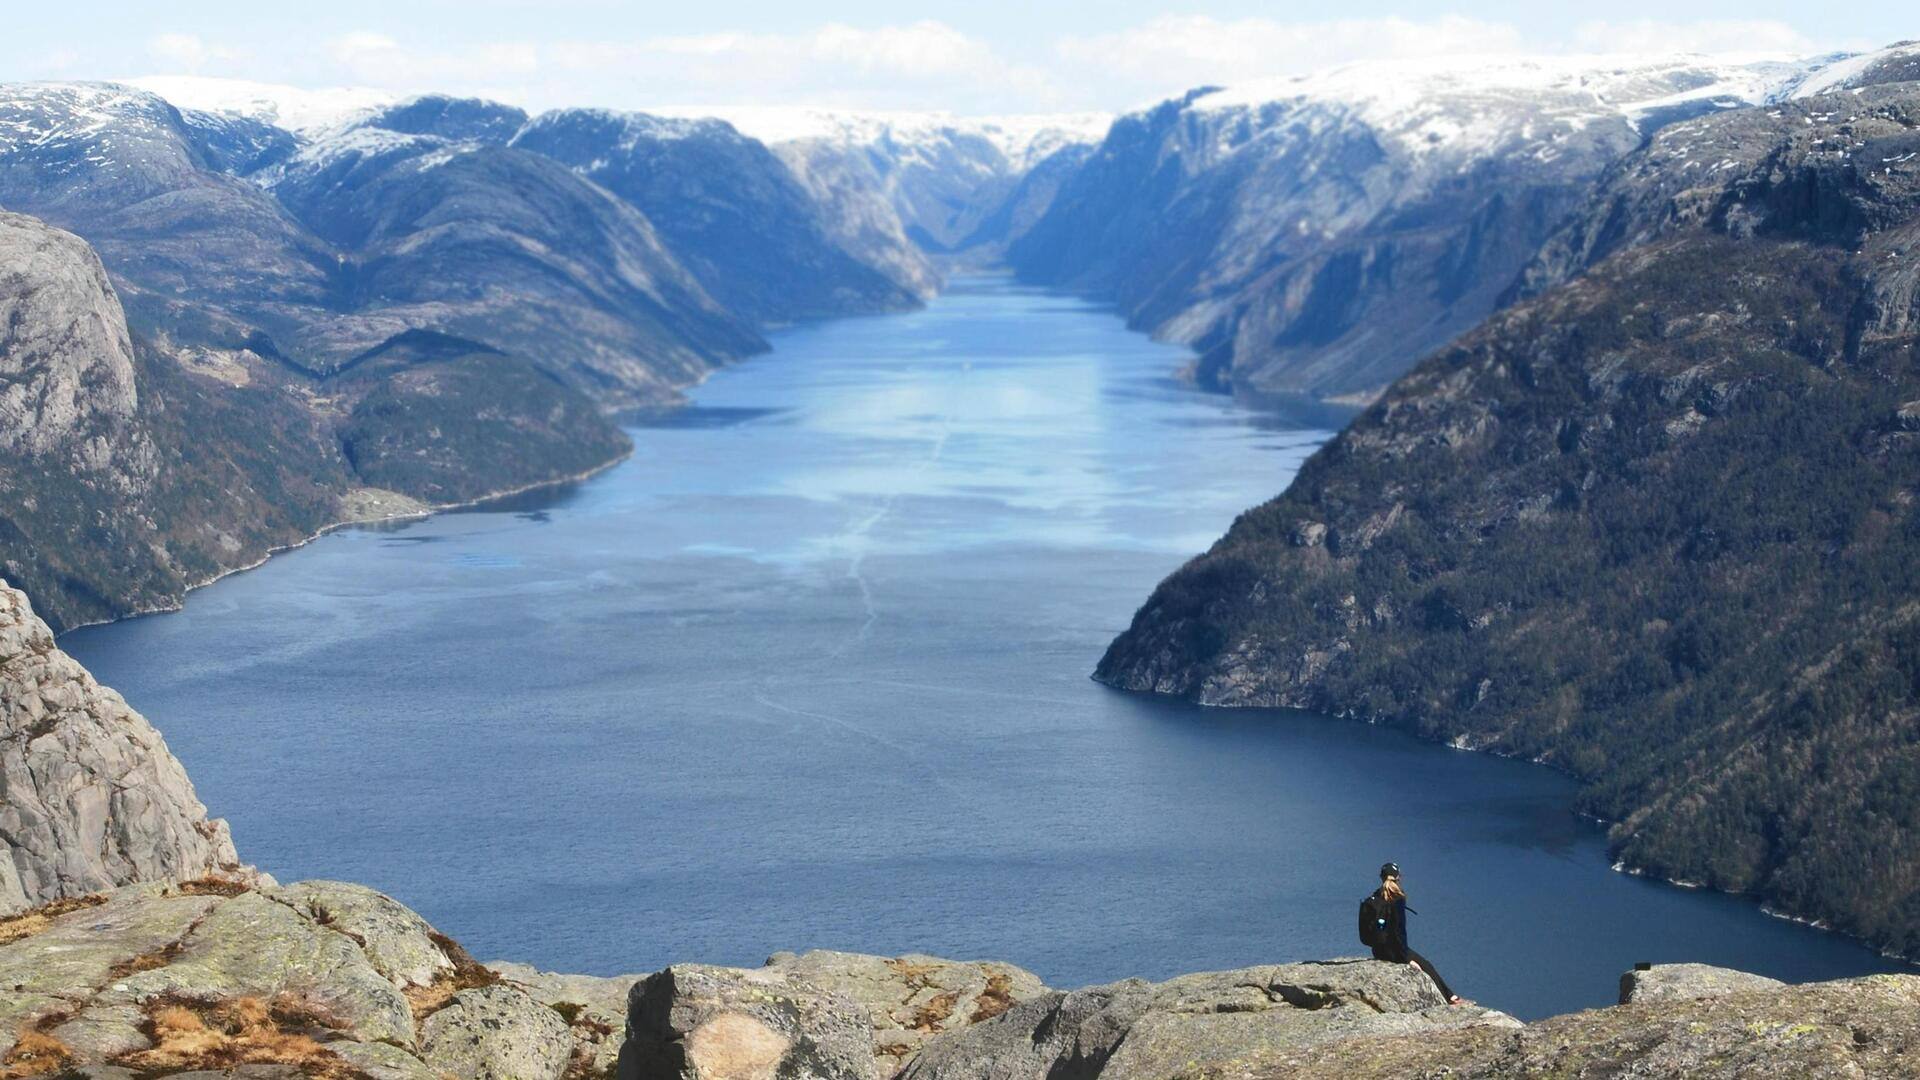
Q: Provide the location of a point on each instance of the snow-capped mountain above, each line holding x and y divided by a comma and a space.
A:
291, 108
356, 236
946, 179
1316, 235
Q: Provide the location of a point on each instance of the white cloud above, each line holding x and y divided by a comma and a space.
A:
185, 52
924, 64
1702, 36
378, 60
1173, 53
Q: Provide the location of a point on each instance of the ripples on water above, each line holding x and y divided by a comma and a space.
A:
810, 670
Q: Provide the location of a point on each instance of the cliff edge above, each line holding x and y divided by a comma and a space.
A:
90, 797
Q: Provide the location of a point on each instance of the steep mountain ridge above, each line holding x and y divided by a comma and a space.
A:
356, 237
1315, 236
744, 226
505, 247
1653, 525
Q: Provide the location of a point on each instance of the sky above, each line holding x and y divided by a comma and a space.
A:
971, 58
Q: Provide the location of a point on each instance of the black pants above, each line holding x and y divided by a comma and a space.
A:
1426, 965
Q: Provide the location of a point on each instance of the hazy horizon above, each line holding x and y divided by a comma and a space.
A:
969, 60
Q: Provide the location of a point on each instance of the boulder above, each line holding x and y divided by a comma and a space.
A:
1137, 1030
910, 999
1666, 982
696, 1022
496, 1033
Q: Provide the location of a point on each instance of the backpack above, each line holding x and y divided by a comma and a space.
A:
1373, 921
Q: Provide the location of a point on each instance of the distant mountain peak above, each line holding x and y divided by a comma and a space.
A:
1022, 139
299, 110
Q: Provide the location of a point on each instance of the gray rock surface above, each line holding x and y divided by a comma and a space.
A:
697, 1022
496, 1033
594, 1007
1669, 982
398, 943
806, 1011
1866, 1027
66, 361
397, 1002
1136, 1030
90, 796
911, 999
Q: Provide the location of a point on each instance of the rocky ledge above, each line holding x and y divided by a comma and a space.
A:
216, 977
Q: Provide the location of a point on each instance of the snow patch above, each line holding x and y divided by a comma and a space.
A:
301, 111
1021, 139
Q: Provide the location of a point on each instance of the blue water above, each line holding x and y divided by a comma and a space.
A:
810, 670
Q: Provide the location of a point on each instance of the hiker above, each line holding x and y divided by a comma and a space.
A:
1383, 927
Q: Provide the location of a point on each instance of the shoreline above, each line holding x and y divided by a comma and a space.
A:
424, 511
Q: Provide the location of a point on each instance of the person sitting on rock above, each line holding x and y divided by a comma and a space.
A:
1383, 927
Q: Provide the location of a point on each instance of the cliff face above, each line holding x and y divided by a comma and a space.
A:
90, 798
1318, 236
65, 357
1655, 526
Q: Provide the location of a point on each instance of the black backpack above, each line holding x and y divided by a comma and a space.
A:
1373, 921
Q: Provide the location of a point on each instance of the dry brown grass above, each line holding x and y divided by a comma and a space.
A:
36, 1054
934, 1011
193, 1035
213, 885
467, 974
994, 1000
25, 924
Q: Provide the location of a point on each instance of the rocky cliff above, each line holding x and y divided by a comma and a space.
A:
332, 980
90, 798
1653, 526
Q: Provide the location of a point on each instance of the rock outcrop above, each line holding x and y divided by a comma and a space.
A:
90, 797
1866, 1027
317, 979
847, 1016
1136, 1030
1680, 982
66, 362
333, 981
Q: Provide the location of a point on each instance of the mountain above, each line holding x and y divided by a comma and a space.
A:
499, 246
755, 239
928, 182
129, 476
1653, 524
1315, 236
132, 470
332, 245
197, 255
